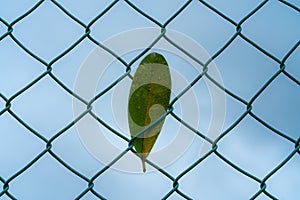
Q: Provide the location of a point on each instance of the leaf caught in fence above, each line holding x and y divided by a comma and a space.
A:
149, 99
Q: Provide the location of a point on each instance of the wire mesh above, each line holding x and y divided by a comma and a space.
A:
86, 36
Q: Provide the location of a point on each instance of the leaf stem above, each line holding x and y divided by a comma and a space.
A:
144, 163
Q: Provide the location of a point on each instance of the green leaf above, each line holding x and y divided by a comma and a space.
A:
149, 99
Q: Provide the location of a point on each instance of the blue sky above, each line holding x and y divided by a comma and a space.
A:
48, 108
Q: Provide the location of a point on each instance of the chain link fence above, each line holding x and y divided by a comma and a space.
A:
175, 189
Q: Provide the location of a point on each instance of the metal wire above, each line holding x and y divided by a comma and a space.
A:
262, 182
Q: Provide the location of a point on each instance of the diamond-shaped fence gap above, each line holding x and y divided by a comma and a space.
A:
103, 105
50, 39
285, 182
234, 9
119, 18
181, 68
268, 106
90, 82
194, 107
49, 186
89, 196
190, 152
214, 179
231, 64
103, 137
14, 59
262, 196
112, 72
167, 135
206, 31
86, 12
49, 102
168, 154
193, 55
292, 64
124, 182
264, 23
157, 12
243, 140
68, 147
175, 196
10, 10
103, 110
116, 69
28, 146
67, 68
112, 138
